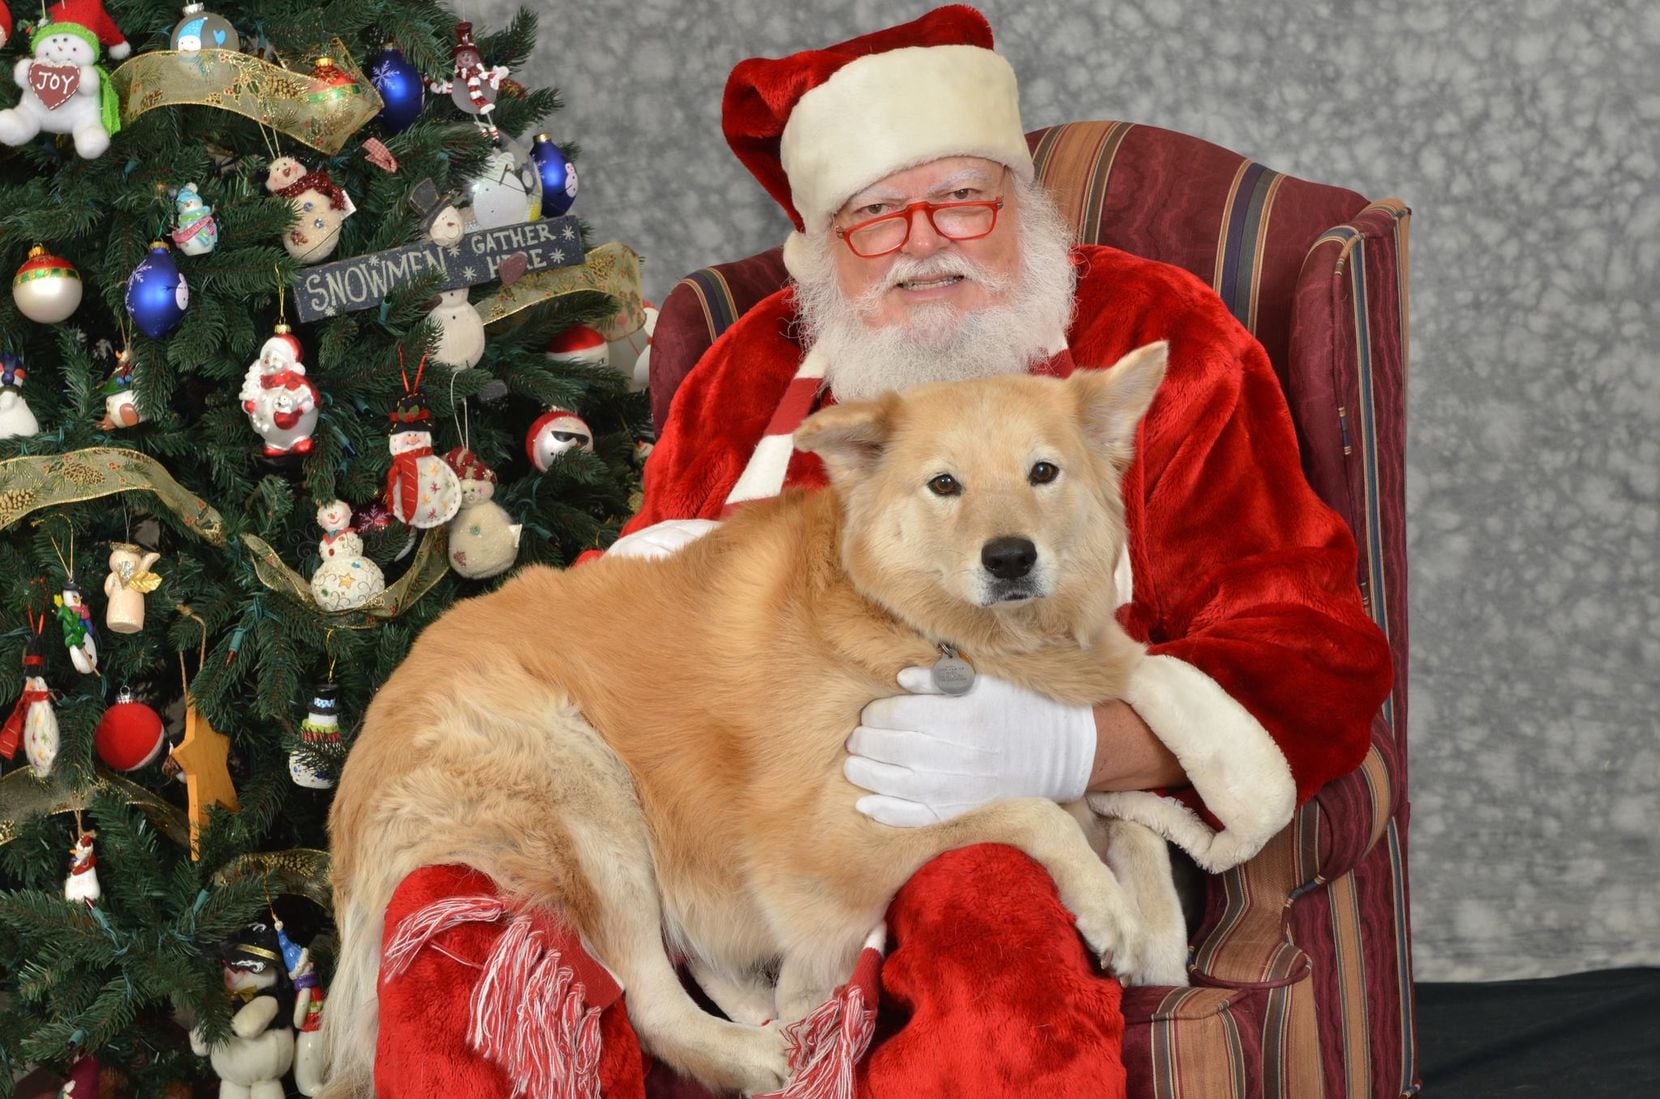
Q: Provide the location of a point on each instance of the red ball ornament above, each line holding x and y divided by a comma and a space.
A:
47, 288
129, 734
579, 345
556, 433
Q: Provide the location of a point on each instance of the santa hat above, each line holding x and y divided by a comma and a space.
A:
469, 466
91, 15
819, 126
5, 23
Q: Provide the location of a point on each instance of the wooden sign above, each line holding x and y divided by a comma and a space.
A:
362, 282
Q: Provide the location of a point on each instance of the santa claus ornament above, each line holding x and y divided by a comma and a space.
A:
484, 539
346, 579
281, 403
421, 490
129, 735
16, 418
320, 731
556, 433
47, 288
319, 203
64, 91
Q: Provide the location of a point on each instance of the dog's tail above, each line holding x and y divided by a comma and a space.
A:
352, 1021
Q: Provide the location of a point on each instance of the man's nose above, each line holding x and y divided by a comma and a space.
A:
923, 239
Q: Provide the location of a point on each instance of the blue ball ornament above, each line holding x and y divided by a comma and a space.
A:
157, 293
558, 176
401, 89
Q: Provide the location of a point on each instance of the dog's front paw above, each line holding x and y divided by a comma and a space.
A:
765, 1067
1153, 961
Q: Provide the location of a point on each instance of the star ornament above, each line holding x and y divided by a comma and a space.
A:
202, 755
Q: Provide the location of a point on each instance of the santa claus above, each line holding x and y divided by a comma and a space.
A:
281, 402
924, 251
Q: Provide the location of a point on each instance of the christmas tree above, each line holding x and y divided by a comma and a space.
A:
227, 241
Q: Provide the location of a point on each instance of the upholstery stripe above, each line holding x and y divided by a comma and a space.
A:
1074, 162
1403, 961
1351, 984
1188, 1028
1241, 239
1376, 583
1375, 770
719, 308
1291, 1062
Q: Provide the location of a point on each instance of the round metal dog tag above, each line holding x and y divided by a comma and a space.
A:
951, 673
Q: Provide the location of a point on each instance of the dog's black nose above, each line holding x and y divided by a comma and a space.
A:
1008, 558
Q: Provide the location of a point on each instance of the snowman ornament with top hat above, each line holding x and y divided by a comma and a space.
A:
64, 90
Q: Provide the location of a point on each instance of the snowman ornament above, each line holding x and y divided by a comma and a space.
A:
320, 203
197, 232
484, 539
16, 419
82, 883
64, 90
553, 435
281, 403
420, 489
120, 408
346, 579
460, 328
259, 1050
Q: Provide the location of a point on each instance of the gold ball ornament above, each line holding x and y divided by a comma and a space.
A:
46, 288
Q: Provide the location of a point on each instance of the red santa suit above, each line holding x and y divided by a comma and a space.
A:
1264, 670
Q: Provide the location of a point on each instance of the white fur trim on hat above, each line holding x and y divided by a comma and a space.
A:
1232, 761
886, 112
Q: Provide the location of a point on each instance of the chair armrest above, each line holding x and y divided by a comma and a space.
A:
1241, 941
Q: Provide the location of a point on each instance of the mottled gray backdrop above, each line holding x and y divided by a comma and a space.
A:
1523, 135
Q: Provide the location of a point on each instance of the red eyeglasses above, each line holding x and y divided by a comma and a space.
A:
888, 233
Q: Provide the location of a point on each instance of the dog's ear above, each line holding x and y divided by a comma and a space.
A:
1111, 402
849, 437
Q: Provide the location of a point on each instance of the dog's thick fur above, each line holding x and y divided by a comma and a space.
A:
655, 746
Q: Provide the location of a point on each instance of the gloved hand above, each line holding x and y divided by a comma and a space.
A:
927, 756
662, 539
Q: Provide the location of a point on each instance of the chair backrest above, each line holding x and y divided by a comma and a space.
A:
1316, 273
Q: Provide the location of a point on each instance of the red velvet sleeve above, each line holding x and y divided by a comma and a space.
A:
1264, 670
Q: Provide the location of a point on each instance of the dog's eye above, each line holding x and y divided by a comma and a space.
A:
945, 485
1043, 472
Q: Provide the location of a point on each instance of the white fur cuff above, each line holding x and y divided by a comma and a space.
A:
1231, 760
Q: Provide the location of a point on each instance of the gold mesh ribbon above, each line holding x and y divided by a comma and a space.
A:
286, 100
47, 480
301, 871
430, 563
612, 269
24, 797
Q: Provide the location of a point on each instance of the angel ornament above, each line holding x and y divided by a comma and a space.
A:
128, 582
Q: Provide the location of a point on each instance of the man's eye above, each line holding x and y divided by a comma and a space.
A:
875, 209
964, 194
945, 485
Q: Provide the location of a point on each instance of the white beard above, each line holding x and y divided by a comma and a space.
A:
1025, 324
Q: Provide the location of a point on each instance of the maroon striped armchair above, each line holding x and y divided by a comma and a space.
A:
1301, 964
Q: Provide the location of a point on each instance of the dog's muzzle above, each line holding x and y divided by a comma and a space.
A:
1009, 562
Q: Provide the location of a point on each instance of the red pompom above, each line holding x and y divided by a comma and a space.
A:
129, 736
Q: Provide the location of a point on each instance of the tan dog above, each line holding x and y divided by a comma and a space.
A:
655, 747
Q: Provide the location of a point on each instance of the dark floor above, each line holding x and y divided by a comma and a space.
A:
1584, 1036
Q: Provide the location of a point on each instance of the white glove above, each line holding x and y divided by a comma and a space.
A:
927, 756
662, 539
